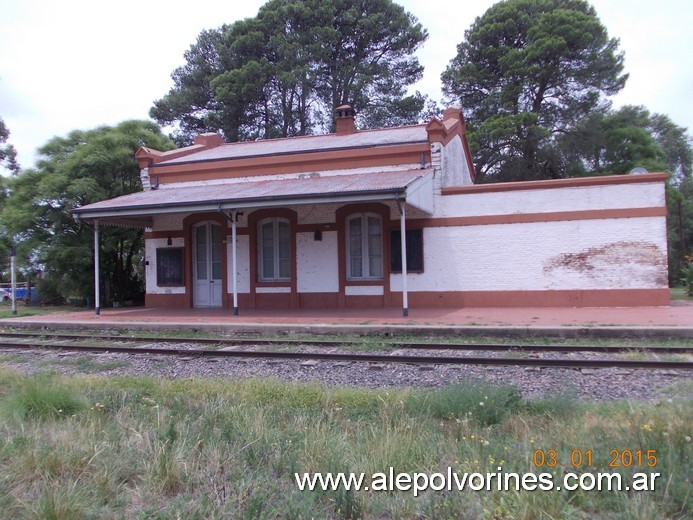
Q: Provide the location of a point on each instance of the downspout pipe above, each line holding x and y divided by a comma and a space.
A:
403, 241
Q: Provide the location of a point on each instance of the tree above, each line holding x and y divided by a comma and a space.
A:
283, 72
84, 167
8, 154
612, 142
526, 71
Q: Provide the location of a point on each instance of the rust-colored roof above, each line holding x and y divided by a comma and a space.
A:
303, 144
295, 190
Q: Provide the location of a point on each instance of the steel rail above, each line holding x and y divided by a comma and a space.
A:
343, 343
370, 358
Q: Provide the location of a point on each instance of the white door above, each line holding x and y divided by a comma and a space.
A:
207, 265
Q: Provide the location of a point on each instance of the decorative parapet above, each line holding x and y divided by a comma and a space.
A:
437, 165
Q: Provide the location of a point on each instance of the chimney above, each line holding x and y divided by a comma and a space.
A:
345, 120
209, 140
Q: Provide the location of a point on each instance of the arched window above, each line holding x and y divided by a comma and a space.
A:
364, 236
274, 250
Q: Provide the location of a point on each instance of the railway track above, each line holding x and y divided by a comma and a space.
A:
31, 342
610, 349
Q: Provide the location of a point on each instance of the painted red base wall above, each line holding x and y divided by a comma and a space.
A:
451, 300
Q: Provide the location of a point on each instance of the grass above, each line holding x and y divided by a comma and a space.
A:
24, 310
88, 364
139, 447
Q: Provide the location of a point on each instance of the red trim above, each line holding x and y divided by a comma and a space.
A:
548, 298
318, 300
167, 301
554, 216
450, 300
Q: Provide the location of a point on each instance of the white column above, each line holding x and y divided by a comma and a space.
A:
14, 281
234, 277
403, 239
97, 291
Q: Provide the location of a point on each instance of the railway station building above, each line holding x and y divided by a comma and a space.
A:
384, 218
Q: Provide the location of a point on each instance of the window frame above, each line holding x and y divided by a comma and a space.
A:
415, 257
276, 278
365, 248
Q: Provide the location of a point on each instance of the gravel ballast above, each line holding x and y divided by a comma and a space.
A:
585, 384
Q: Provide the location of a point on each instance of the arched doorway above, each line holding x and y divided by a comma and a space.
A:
207, 265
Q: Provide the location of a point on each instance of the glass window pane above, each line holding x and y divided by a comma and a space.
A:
355, 227
356, 267
201, 252
216, 243
267, 250
284, 243
283, 230
375, 266
375, 246
268, 268
284, 268
373, 226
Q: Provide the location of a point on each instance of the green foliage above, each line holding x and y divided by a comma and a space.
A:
284, 71
527, 70
84, 167
687, 277
612, 142
8, 153
680, 229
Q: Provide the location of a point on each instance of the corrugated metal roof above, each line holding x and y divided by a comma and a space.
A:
363, 139
291, 190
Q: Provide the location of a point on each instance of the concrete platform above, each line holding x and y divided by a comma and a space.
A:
675, 320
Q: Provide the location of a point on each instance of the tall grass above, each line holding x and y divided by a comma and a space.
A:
41, 397
147, 448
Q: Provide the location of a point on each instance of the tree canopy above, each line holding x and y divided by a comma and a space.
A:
84, 167
8, 153
284, 71
526, 71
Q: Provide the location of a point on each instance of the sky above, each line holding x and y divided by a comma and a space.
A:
80, 64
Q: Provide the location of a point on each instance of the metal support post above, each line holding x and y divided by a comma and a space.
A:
97, 289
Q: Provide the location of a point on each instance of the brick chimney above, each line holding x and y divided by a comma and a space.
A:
345, 120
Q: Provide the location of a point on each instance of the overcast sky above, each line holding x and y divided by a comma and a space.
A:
79, 64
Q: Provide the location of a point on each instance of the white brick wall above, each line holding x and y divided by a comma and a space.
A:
150, 247
454, 164
243, 267
317, 263
588, 254
552, 200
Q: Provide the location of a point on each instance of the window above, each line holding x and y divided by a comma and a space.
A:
274, 250
364, 247
414, 238
169, 267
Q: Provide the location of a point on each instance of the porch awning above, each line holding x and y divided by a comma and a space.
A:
136, 210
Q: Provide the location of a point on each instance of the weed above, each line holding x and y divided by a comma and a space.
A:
41, 397
479, 401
